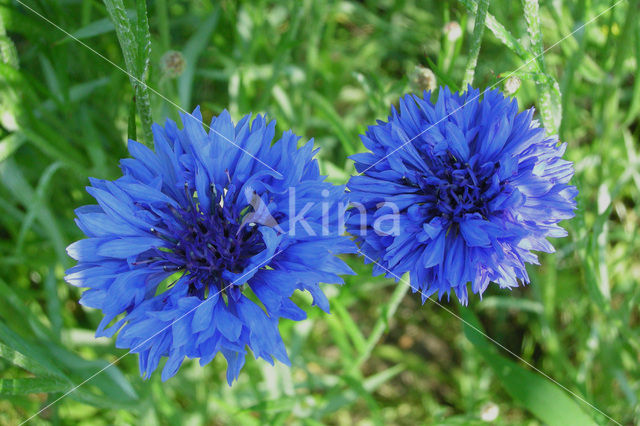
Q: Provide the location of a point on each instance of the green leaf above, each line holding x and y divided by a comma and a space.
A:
96, 28
13, 307
101, 26
351, 394
25, 355
127, 41
143, 42
535, 393
327, 110
53, 303
358, 387
382, 323
374, 381
36, 206
20, 360
508, 302
98, 377
10, 144
442, 76
131, 128
8, 53
100, 384
13, 179
143, 38
78, 92
500, 31
53, 83
349, 326
32, 385
192, 51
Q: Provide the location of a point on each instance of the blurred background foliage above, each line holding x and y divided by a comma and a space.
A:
326, 70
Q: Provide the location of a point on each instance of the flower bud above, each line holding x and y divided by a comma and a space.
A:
489, 412
173, 63
511, 85
423, 78
452, 31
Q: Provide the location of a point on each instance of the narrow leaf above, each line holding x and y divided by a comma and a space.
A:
32, 385
192, 51
535, 393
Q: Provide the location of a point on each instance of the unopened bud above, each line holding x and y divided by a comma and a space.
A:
452, 31
423, 79
511, 85
489, 412
173, 63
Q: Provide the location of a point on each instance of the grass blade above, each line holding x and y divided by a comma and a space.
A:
192, 51
382, 323
32, 385
331, 115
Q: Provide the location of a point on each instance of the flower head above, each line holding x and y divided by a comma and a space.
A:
470, 187
181, 247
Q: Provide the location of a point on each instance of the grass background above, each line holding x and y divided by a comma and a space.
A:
325, 70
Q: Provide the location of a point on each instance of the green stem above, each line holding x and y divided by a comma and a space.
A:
634, 109
163, 23
500, 32
136, 51
548, 90
8, 52
383, 321
476, 41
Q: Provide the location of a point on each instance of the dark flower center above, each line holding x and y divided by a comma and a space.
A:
459, 188
206, 245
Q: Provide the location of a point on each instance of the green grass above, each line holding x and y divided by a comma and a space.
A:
325, 70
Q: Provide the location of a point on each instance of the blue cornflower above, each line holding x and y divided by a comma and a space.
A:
199, 246
458, 192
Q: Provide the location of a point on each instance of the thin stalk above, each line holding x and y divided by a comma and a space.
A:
8, 52
548, 89
383, 321
500, 32
136, 49
476, 41
163, 23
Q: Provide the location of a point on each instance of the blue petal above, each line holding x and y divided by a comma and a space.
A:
125, 247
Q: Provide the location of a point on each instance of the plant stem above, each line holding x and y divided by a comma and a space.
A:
383, 321
476, 41
548, 89
136, 51
163, 23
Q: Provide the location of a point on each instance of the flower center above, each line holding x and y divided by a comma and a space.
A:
204, 245
459, 188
